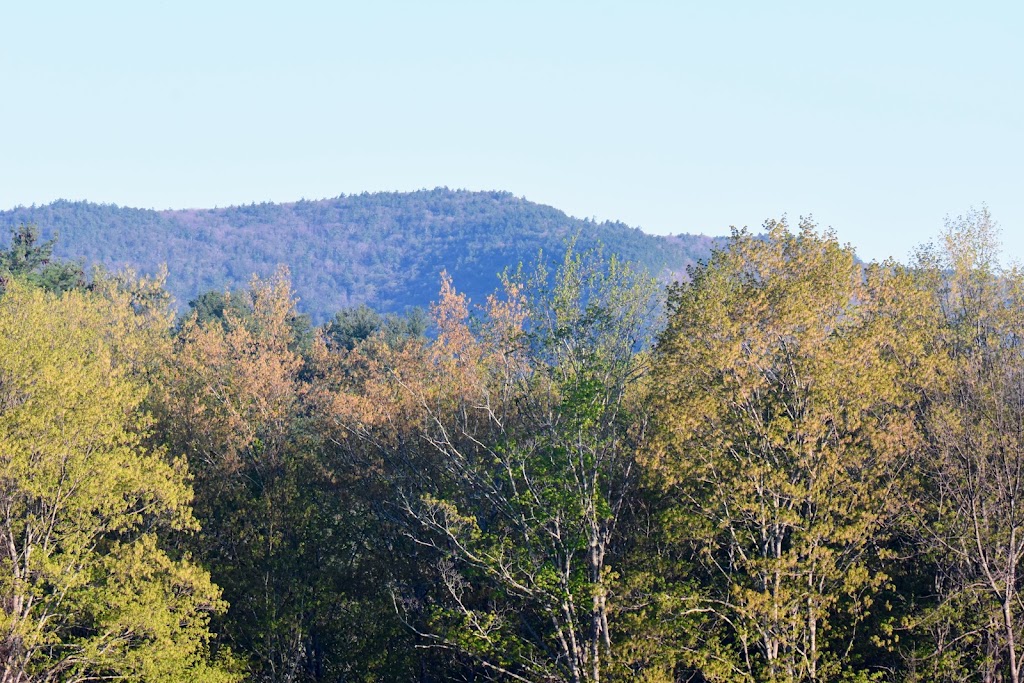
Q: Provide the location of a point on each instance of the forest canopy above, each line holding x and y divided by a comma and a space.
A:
789, 466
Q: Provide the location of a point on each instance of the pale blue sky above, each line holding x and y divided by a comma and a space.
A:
880, 118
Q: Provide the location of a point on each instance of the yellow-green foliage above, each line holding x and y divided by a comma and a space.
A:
86, 590
787, 419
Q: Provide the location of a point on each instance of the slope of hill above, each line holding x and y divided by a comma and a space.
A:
383, 249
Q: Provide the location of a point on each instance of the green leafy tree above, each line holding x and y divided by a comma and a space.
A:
352, 326
972, 516
218, 306
87, 590
787, 380
32, 261
510, 442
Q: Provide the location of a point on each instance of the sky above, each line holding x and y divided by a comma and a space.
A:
879, 119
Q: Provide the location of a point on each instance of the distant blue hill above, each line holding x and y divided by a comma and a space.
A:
384, 249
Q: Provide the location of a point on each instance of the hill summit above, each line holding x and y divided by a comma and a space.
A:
384, 249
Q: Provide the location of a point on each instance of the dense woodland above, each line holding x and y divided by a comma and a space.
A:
385, 249
789, 466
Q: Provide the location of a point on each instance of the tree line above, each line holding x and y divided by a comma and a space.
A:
792, 466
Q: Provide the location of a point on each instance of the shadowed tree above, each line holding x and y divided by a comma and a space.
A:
32, 261
509, 443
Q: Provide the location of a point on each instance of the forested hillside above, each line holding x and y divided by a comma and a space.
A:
795, 468
386, 250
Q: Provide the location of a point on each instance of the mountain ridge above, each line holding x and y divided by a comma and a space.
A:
384, 249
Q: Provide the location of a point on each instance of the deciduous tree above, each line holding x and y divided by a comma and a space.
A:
87, 590
973, 522
511, 441
786, 422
